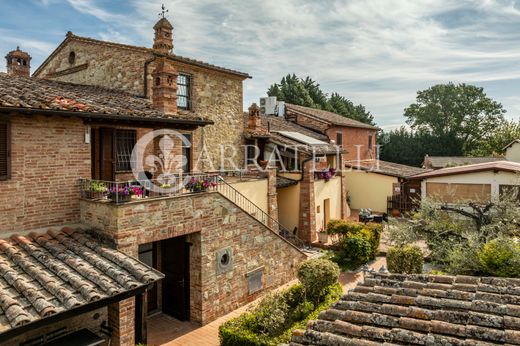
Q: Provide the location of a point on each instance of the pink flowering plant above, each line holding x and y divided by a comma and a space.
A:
327, 174
124, 192
198, 185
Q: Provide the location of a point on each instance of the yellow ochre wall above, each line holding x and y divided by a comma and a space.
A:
369, 190
289, 206
513, 153
254, 190
332, 191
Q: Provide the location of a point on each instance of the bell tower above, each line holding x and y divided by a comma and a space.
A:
163, 40
18, 63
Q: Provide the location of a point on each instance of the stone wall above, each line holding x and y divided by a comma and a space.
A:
215, 95
48, 156
212, 223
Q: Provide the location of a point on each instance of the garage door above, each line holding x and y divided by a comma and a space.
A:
453, 193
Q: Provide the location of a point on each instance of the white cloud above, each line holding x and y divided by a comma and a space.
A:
375, 52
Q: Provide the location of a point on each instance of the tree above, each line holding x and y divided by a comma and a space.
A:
459, 236
493, 143
408, 147
462, 112
307, 92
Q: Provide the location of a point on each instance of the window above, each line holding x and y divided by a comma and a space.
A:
125, 142
183, 92
5, 142
186, 152
72, 58
369, 142
339, 138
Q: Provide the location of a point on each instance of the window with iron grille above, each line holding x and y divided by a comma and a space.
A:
5, 141
125, 142
183, 91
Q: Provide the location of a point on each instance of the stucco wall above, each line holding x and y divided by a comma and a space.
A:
48, 156
215, 95
289, 206
212, 223
488, 177
513, 153
369, 190
327, 190
254, 190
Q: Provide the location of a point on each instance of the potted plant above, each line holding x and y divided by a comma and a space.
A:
122, 194
323, 237
199, 185
96, 190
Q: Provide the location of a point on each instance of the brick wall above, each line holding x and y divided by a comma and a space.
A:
352, 137
212, 223
216, 95
49, 155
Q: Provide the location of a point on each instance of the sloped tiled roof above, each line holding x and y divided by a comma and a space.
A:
42, 94
275, 124
505, 166
437, 162
386, 168
71, 37
328, 117
285, 182
394, 309
44, 274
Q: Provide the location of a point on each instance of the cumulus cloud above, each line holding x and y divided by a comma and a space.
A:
375, 52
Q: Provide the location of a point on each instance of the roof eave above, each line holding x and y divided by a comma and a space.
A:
102, 116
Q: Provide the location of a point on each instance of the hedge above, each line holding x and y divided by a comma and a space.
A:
272, 321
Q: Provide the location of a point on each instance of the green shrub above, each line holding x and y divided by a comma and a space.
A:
407, 259
271, 314
500, 257
244, 329
358, 243
316, 275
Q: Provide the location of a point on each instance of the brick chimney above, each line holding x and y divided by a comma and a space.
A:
18, 63
164, 90
163, 40
254, 121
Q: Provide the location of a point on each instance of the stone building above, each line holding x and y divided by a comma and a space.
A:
65, 159
311, 189
203, 90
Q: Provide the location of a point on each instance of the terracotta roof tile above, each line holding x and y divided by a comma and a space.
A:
420, 310
42, 94
328, 117
47, 273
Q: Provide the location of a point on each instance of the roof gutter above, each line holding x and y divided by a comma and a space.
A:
103, 116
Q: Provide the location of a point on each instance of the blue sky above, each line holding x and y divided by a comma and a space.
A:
375, 52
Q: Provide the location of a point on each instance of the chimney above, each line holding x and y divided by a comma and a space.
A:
163, 40
164, 90
254, 122
18, 63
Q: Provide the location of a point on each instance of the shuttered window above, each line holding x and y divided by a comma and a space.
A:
5, 159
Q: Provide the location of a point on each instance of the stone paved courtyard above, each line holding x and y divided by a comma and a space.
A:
164, 330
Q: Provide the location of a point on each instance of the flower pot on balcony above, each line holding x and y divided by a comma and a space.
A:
120, 197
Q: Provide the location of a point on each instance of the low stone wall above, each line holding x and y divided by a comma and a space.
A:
213, 224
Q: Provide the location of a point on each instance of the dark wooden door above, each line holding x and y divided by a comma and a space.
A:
107, 154
148, 255
176, 284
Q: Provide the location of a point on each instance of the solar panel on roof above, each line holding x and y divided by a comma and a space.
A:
301, 138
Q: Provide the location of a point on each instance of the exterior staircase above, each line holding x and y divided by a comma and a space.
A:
252, 209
